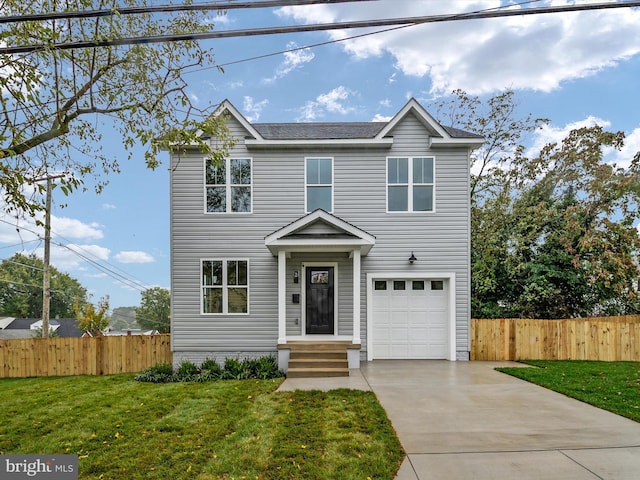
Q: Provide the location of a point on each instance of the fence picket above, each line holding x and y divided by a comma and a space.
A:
33, 357
594, 338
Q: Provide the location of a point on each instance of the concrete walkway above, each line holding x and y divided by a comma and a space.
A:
462, 420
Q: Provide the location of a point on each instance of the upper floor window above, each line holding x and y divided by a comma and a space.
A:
228, 186
225, 286
410, 184
319, 184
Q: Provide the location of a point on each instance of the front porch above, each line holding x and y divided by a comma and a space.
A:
319, 330
329, 358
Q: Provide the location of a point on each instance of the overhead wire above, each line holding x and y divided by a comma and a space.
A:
418, 20
167, 8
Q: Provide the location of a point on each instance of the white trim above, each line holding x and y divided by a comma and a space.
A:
228, 186
318, 143
277, 240
423, 116
410, 184
303, 301
282, 297
356, 295
224, 286
233, 111
449, 276
306, 182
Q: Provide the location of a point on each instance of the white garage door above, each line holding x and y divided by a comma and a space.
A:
410, 319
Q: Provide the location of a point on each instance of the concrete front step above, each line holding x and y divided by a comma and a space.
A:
328, 354
317, 372
321, 358
318, 363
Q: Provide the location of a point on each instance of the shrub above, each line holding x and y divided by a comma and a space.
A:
235, 369
159, 373
210, 369
262, 368
187, 371
267, 367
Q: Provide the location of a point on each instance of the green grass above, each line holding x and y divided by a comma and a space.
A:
127, 430
613, 386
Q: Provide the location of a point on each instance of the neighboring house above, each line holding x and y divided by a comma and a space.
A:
26, 327
348, 232
128, 332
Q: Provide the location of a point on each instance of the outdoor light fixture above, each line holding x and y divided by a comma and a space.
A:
296, 277
412, 258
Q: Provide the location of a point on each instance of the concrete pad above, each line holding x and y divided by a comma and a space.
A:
457, 407
406, 471
497, 466
355, 381
611, 463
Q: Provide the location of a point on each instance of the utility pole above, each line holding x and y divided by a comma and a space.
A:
46, 278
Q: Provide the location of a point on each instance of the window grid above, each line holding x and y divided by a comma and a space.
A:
319, 183
225, 287
229, 187
410, 184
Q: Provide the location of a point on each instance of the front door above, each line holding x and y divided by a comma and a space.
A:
319, 300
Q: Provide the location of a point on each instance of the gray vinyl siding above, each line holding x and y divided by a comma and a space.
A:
440, 239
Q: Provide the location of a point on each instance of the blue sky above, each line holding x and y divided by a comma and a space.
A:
573, 68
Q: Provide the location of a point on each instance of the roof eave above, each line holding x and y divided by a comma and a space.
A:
319, 143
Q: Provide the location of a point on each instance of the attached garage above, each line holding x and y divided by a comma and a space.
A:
410, 318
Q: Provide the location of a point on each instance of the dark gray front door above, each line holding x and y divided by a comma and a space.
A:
319, 300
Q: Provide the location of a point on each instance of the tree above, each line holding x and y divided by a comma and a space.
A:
21, 289
553, 233
55, 102
93, 319
155, 309
123, 318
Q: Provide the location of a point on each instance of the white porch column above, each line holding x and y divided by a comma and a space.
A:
356, 296
282, 297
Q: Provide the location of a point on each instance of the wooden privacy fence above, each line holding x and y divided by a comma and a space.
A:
40, 357
595, 338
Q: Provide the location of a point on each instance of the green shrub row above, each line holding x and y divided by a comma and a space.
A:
234, 369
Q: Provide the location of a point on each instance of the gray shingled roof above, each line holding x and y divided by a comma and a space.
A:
334, 130
318, 131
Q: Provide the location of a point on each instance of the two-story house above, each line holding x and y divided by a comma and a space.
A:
317, 235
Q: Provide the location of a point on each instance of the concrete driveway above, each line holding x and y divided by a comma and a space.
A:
464, 420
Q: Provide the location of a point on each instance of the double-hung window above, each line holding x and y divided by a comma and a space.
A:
319, 184
410, 184
228, 186
225, 286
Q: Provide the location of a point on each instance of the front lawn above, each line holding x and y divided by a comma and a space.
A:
125, 430
613, 386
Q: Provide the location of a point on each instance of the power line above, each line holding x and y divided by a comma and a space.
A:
166, 9
314, 27
135, 284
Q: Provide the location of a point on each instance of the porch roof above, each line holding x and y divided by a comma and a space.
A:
319, 231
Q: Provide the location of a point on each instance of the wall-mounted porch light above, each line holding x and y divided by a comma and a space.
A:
296, 276
412, 258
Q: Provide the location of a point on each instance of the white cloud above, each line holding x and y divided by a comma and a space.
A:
133, 257
333, 102
548, 134
73, 256
108, 206
252, 109
381, 118
73, 228
292, 60
631, 147
536, 52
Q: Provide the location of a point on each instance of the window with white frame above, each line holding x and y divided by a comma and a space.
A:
319, 184
225, 286
228, 185
410, 184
